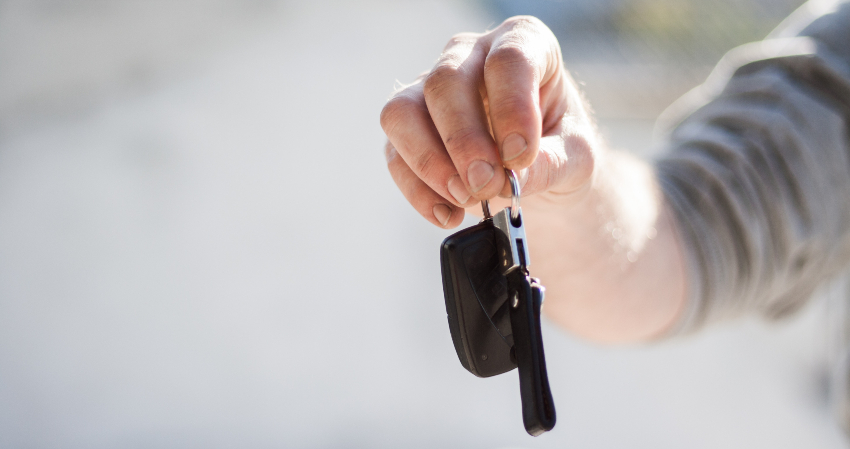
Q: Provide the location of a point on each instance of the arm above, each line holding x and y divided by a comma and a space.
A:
749, 211
758, 175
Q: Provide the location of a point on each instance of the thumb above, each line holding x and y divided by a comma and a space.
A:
564, 165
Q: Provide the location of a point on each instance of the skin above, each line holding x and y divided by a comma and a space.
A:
601, 235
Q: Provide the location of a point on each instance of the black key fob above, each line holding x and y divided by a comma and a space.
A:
493, 307
477, 300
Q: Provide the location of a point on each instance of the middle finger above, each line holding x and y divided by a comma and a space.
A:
452, 94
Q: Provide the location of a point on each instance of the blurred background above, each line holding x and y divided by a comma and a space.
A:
200, 245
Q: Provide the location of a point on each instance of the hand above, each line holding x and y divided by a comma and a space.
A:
501, 98
599, 231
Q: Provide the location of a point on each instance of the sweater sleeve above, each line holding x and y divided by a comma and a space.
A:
758, 171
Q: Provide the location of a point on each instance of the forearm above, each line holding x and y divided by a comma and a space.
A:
755, 178
752, 184
609, 254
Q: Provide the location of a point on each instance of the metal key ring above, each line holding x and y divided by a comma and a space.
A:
514, 194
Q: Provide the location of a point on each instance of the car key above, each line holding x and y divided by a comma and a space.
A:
477, 299
483, 266
526, 298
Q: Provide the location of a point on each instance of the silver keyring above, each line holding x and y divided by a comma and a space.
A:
514, 194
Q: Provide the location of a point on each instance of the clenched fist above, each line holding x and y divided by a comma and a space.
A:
600, 233
501, 98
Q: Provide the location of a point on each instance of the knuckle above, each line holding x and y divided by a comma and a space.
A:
424, 164
509, 53
395, 111
524, 23
444, 74
513, 107
461, 39
463, 141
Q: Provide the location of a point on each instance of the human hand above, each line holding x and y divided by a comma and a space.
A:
599, 229
500, 98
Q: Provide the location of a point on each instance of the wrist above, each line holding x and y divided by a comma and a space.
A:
608, 253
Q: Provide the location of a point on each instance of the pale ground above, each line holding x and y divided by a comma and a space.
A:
215, 256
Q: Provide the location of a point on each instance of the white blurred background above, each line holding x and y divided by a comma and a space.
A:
200, 246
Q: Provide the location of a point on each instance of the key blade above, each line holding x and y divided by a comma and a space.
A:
513, 246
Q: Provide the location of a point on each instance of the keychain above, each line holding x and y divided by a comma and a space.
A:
493, 306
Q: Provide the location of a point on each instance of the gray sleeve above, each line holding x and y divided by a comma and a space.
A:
758, 172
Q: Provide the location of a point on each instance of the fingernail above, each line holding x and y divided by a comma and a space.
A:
479, 174
513, 146
458, 190
442, 213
